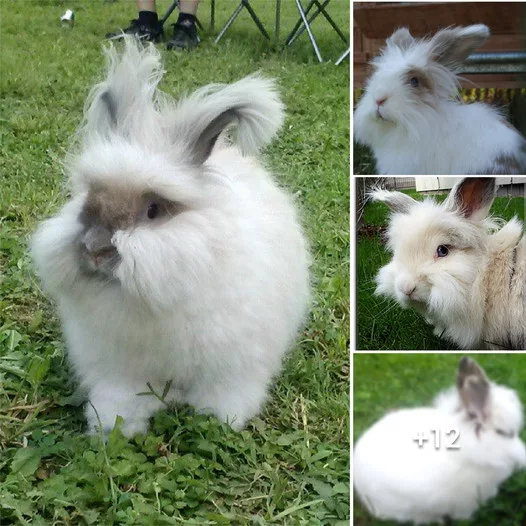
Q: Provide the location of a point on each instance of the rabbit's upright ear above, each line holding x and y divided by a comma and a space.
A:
451, 46
472, 197
473, 386
123, 104
251, 105
401, 38
396, 201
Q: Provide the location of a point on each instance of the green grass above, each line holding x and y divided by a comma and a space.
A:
291, 465
383, 382
382, 324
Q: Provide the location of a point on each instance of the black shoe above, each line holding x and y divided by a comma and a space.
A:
142, 31
184, 37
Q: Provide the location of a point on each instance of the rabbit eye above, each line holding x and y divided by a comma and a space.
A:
153, 210
414, 82
442, 251
507, 434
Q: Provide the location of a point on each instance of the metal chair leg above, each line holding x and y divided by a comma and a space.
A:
257, 21
298, 25
321, 8
278, 19
343, 57
230, 21
235, 14
212, 14
169, 12
307, 27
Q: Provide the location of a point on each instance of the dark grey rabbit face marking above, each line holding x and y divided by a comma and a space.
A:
122, 208
107, 210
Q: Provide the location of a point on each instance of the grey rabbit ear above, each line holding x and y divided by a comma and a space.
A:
472, 197
473, 387
124, 102
396, 201
202, 144
450, 47
401, 38
251, 106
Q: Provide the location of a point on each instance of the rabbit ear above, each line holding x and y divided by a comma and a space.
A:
401, 38
123, 103
473, 386
252, 105
472, 197
450, 47
396, 201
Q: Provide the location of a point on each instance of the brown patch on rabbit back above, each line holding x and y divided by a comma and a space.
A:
505, 310
504, 164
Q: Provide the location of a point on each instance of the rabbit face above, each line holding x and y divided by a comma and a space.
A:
439, 254
436, 257
411, 79
402, 88
107, 210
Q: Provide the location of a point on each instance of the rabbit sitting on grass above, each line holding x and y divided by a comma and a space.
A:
452, 264
473, 446
178, 260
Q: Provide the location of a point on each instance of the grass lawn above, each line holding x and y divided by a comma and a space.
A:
291, 465
383, 382
382, 323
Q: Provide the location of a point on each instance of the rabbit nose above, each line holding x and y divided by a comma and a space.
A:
408, 289
381, 101
97, 241
102, 255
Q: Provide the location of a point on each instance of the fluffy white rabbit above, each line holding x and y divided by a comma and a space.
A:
452, 264
414, 120
475, 426
178, 258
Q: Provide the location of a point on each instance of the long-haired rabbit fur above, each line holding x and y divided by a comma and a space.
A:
452, 264
472, 445
412, 117
178, 260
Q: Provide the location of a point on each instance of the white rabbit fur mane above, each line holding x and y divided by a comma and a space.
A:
398, 480
209, 298
428, 129
474, 297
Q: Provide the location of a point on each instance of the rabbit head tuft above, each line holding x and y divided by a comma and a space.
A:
127, 106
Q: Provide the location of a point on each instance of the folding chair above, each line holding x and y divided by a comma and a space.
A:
303, 24
244, 4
